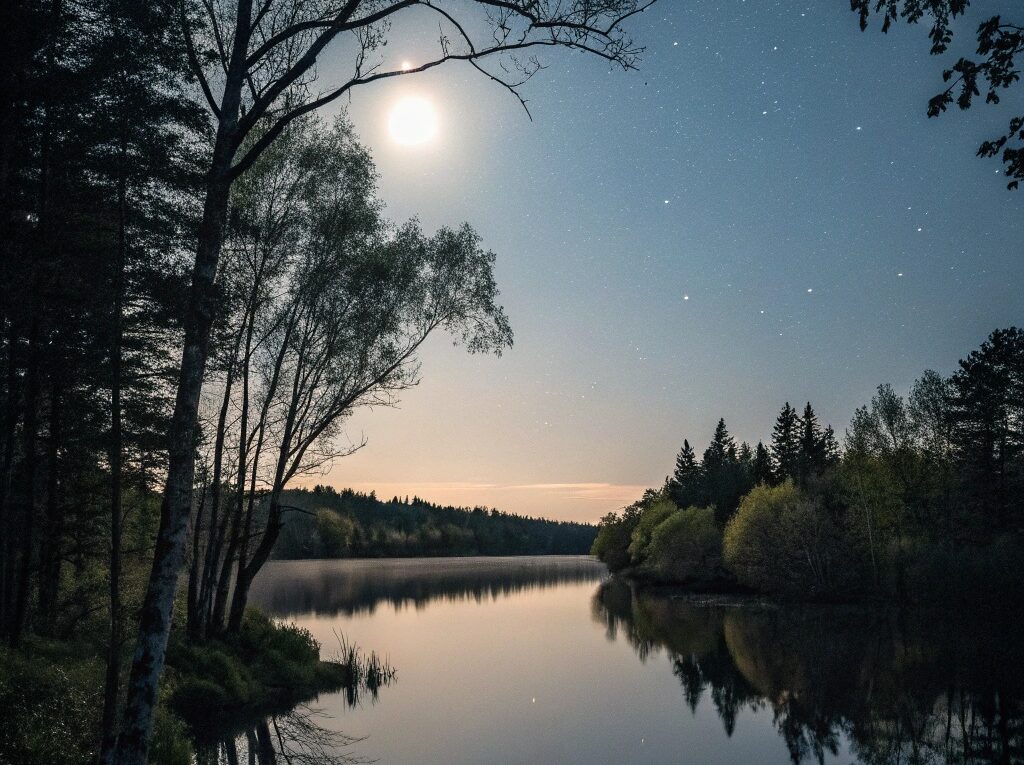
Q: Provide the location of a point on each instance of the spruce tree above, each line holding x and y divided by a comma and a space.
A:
812, 453
829, 447
722, 448
786, 443
723, 475
684, 486
761, 469
687, 467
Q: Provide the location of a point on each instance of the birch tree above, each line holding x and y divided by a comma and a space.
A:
255, 64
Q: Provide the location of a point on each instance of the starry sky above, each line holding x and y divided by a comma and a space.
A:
762, 212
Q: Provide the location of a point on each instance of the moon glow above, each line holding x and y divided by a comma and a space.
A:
413, 121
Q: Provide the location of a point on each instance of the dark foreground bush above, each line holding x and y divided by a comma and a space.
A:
49, 712
264, 667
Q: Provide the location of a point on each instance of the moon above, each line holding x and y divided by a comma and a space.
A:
413, 121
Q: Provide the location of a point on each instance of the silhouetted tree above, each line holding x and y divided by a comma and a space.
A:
786, 443
684, 485
724, 477
999, 42
761, 468
987, 417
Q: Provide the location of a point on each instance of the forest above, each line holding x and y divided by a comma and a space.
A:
198, 287
920, 501
201, 285
326, 523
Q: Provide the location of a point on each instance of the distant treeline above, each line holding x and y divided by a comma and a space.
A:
924, 499
325, 523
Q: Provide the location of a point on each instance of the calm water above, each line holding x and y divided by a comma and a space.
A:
543, 660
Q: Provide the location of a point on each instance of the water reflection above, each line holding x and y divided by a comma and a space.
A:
890, 688
347, 587
297, 737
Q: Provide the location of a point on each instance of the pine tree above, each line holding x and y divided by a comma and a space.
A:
786, 443
722, 448
812, 452
724, 477
761, 470
829, 447
684, 486
687, 467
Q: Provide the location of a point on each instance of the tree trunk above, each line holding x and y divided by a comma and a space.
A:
112, 683
199, 621
176, 510
11, 418
169, 554
26, 559
50, 546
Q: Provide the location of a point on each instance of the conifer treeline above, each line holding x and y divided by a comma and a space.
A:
799, 448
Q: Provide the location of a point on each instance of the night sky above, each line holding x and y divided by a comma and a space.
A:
763, 212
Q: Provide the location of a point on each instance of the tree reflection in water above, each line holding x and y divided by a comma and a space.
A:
296, 737
893, 688
347, 587
301, 735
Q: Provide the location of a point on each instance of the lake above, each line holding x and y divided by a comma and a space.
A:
547, 660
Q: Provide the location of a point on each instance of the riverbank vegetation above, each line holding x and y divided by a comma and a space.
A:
51, 692
326, 523
922, 499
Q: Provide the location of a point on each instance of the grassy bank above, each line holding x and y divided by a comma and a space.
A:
51, 692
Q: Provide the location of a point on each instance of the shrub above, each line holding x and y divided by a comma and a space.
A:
650, 518
264, 664
612, 541
780, 540
48, 713
171, 743
686, 546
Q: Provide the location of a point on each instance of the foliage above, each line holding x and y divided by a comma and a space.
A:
651, 517
999, 42
926, 490
781, 540
265, 665
172, 741
327, 307
48, 709
325, 523
615, 532
686, 547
